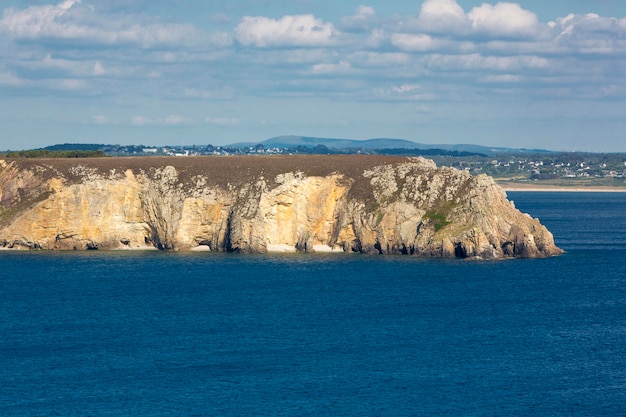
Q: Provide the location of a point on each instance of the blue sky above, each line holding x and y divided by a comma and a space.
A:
531, 73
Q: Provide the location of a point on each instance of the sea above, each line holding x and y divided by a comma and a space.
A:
214, 334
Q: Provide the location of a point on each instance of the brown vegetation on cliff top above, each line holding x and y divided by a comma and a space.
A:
222, 171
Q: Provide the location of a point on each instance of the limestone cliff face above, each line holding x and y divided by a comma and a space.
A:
258, 204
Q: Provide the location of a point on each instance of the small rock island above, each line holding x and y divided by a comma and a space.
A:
252, 204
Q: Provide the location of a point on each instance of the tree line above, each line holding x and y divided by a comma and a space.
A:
46, 153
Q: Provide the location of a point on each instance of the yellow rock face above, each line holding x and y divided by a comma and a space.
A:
404, 206
301, 212
202, 222
94, 214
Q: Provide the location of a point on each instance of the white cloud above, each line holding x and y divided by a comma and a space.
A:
377, 38
298, 30
177, 120
170, 120
67, 4
442, 16
99, 119
37, 21
78, 68
471, 62
589, 22
72, 81
413, 42
590, 34
404, 92
364, 18
216, 94
406, 88
365, 12
381, 59
71, 21
140, 121
7, 78
98, 69
503, 19
502, 78
67, 84
342, 67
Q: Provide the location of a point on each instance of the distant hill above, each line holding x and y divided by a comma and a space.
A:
387, 146
284, 141
333, 143
379, 143
75, 147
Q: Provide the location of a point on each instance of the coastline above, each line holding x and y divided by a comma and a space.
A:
555, 188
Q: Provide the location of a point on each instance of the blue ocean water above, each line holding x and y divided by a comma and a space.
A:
203, 334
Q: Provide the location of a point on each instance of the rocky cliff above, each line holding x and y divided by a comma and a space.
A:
365, 204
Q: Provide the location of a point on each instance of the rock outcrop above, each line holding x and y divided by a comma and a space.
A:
367, 204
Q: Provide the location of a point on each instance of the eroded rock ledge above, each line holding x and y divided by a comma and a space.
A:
367, 204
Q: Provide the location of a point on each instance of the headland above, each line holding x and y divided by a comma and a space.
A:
314, 203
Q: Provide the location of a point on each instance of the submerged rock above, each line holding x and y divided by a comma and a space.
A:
367, 204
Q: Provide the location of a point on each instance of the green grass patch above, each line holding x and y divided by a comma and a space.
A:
439, 216
439, 219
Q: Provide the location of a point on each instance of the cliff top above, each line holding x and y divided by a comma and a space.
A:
221, 171
220, 168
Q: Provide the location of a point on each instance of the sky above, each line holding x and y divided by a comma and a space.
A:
526, 74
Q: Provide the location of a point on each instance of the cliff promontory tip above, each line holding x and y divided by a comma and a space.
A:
356, 203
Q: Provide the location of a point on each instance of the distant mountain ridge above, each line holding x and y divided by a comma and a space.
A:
377, 143
336, 144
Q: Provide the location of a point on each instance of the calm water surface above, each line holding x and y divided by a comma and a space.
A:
170, 334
